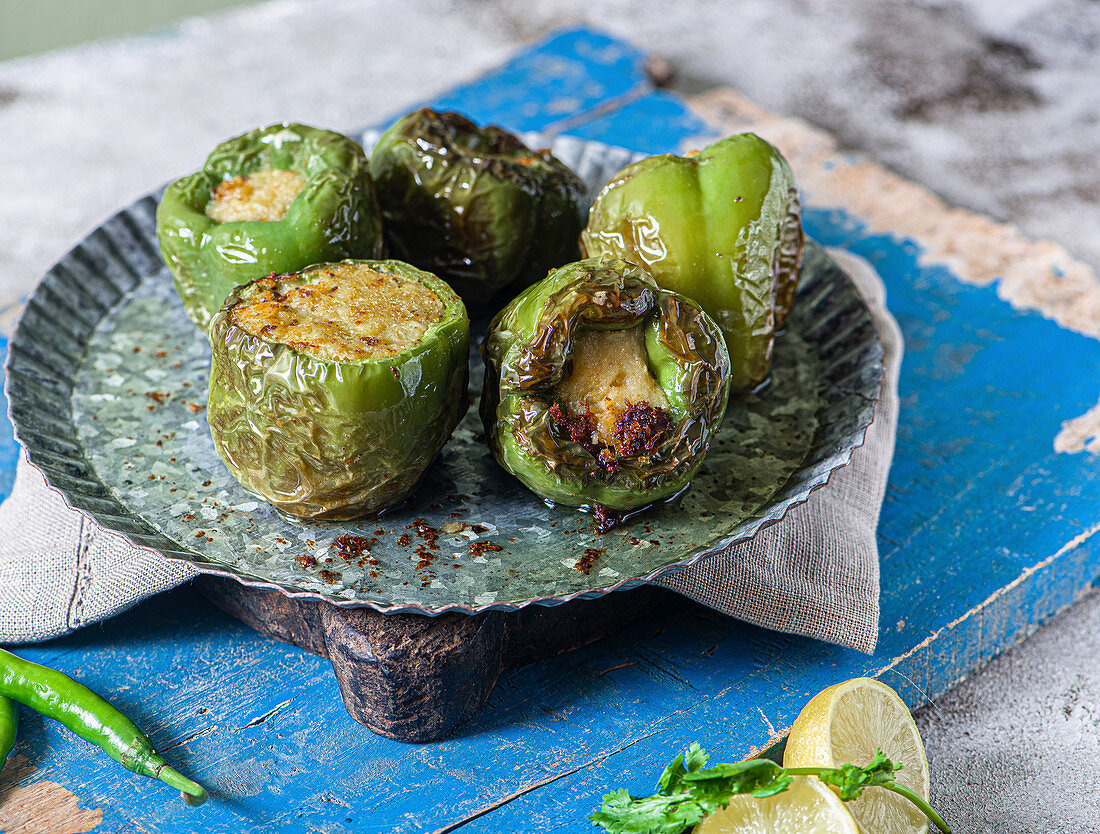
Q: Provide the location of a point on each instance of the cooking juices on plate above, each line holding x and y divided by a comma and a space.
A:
335, 383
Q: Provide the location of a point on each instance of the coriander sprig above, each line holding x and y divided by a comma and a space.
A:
687, 791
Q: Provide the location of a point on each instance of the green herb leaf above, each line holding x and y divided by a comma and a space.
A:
688, 791
852, 779
696, 758
672, 776
661, 814
717, 785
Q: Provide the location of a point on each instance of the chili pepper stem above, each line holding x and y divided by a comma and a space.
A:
193, 793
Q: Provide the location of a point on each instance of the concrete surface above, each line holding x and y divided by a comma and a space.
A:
995, 104
1016, 748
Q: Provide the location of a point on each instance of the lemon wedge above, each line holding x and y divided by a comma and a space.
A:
847, 723
808, 806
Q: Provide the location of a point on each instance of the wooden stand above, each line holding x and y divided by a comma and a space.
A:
414, 678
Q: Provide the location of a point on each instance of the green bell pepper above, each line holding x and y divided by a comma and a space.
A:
334, 216
722, 227
532, 357
474, 205
333, 438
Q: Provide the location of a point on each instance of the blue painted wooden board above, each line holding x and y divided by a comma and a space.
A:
985, 532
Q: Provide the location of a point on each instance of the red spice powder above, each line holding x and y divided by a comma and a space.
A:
588, 558
349, 547
480, 548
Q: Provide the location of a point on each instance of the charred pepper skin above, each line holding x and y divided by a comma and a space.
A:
527, 354
722, 227
329, 439
474, 205
335, 216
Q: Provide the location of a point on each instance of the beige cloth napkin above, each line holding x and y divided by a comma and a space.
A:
60, 571
815, 573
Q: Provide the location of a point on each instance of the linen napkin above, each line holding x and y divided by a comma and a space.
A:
814, 573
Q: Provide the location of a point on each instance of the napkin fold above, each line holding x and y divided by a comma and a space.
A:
814, 573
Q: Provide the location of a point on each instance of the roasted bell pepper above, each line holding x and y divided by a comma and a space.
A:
474, 205
333, 216
722, 227
333, 389
603, 391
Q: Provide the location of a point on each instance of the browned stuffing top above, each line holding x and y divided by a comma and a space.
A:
347, 312
264, 195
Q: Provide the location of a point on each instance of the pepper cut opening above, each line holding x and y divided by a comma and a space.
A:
264, 195
341, 312
611, 398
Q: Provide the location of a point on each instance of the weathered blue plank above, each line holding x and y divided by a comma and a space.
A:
275, 775
554, 83
977, 501
977, 494
656, 122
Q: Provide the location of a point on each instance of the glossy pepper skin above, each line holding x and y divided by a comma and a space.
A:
527, 354
474, 205
335, 215
722, 227
329, 439
93, 718
9, 727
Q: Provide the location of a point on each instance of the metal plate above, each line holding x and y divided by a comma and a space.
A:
107, 386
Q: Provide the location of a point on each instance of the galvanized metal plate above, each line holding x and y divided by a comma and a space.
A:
107, 384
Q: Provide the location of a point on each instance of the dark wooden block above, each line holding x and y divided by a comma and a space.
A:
410, 677
415, 678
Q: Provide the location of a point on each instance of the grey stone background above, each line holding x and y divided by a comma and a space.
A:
994, 104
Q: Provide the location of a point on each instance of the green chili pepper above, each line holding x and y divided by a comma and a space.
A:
328, 421
334, 216
9, 727
474, 205
603, 391
722, 227
85, 713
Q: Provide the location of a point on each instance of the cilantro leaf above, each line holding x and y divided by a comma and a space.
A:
852, 779
691, 760
671, 777
696, 757
715, 786
623, 814
688, 790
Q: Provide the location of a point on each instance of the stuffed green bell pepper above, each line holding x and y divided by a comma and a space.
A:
722, 227
276, 199
603, 391
473, 204
333, 389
